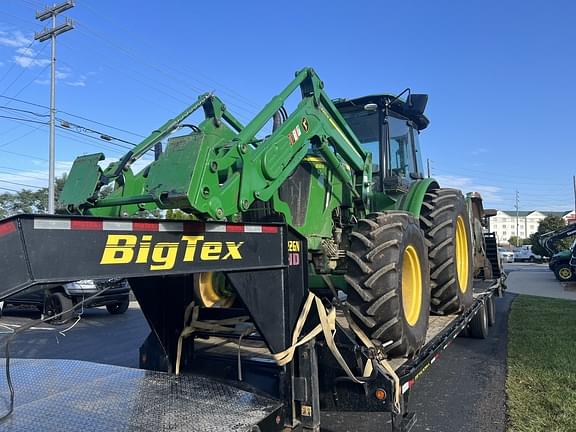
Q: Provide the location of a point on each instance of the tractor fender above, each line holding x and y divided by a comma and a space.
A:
412, 201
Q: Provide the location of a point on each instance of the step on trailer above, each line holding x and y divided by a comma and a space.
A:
188, 379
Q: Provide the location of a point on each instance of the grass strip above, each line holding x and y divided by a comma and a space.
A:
541, 382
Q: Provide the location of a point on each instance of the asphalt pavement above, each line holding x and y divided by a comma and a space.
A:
463, 391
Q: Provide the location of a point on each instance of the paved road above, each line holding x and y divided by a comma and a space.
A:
538, 280
464, 391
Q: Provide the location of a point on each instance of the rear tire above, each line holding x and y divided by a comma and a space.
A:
445, 221
479, 323
57, 303
388, 276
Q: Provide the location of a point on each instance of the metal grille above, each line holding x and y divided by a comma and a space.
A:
69, 395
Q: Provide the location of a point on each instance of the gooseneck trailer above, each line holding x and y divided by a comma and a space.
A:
267, 266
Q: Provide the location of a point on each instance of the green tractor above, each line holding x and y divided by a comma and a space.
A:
347, 174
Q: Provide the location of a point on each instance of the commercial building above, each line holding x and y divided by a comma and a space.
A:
504, 223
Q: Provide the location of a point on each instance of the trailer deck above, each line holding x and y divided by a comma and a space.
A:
70, 395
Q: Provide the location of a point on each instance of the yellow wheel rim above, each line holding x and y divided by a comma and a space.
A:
565, 273
210, 289
462, 254
411, 285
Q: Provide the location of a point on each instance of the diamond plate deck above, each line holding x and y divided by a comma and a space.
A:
70, 395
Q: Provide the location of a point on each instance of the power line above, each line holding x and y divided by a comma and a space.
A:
11, 190
23, 119
19, 184
72, 115
24, 111
159, 68
231, 92
21, 136
35, 58
20, 175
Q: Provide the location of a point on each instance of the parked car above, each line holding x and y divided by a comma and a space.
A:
506, 255
524, 254
54, 299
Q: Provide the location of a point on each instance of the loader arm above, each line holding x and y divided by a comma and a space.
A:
221, 168
548, 239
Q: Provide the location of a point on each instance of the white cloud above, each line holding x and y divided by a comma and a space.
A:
29, 62
28, 52
479, 151
14, 39
34, 178
467, 184
79, 83
61, 74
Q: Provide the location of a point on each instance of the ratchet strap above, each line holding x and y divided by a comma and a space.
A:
327, 327
193, 324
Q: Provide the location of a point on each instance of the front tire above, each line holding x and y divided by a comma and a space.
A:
388, 275
564, 273
57, 303
118, 308
444, 219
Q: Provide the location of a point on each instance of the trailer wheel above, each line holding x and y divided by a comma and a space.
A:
445, 221
388, 276
479, 323
491, 306
56, 303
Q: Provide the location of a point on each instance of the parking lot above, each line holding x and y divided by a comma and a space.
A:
480, 364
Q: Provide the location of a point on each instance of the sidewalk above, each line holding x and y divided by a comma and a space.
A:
539, 281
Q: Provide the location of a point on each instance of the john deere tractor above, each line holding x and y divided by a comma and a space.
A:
346, 173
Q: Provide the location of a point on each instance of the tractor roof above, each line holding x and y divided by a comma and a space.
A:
414, 112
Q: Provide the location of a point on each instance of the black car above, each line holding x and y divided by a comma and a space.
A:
54, 299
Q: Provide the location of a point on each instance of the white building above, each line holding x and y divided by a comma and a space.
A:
505, 224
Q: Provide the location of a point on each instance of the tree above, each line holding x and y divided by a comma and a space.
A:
527, 241
28, 201
515, 241
549, 223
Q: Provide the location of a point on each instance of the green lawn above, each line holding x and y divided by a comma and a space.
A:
541, 383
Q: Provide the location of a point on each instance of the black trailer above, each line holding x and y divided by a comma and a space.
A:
228, 359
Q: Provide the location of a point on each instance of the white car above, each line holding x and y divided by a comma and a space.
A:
506, 255
524, 253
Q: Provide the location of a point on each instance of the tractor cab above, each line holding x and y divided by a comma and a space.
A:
389, 127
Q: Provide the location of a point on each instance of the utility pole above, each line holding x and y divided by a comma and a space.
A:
428, 167
517, 223
574, 181
44, 35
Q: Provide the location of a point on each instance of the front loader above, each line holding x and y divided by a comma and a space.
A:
374, 248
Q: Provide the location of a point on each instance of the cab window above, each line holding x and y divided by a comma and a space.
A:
400, 156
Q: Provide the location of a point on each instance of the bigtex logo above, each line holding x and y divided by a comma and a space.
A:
128, 248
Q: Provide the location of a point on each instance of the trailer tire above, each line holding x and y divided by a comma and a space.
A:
56, 303
478, 326
388, 278
445, 221
491, 306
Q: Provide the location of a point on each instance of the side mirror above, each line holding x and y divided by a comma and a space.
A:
417, 102
490, 212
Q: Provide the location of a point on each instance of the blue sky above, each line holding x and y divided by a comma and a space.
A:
500, 76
